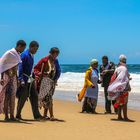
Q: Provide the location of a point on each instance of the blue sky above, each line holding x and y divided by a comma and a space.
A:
82, 29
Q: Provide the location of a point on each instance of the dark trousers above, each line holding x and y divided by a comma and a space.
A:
108, 103
89, 105
23, 94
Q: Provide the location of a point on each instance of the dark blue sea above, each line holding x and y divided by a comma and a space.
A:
133, 68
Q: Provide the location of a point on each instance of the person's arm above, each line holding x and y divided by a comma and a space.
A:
87, 79
101, 71
21, 66
58, 70
38, 69
2, 74
1, 80
111, 71
99, 80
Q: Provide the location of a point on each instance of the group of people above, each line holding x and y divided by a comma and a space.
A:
114, 80
21, 79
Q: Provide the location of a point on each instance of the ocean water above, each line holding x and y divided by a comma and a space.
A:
72, 81
72, 77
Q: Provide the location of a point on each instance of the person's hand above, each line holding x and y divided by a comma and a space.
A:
105, 72
37, 78
18, 83
39, 74
102, 74
99, 82
130, 78
22, 83
93, 86
2, 82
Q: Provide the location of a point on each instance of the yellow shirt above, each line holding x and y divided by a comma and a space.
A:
88, 83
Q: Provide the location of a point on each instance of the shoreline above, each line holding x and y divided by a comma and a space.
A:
133, 104
98, 106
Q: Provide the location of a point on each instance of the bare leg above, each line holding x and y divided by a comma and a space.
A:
120, 113
115, 109
51, 112
45, 112
125, 112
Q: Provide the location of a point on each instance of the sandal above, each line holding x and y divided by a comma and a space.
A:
52, 118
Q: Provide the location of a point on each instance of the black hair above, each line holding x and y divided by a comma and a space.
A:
34, 44
105, 57
54, 50
21, 43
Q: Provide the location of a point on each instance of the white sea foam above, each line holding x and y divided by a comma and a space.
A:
71, 81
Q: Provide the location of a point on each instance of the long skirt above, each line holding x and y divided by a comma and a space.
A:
122, 99
47, 89
89, 105
8, 94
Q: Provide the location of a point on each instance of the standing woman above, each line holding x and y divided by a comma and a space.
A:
8, 83
91, 84
47, 72
119, 88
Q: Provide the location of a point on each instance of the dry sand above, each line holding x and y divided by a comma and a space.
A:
72, 125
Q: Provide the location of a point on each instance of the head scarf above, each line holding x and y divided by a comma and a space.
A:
9, 60
122, 58
94, 61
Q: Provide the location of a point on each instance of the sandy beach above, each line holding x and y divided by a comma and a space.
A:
71, 124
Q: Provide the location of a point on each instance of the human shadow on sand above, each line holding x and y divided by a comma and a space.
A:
44, 120
57, 120
17, 122
85, 113
30, 120
125, 121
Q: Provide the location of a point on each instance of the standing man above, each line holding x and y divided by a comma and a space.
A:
27, 83
8, 83
106, 71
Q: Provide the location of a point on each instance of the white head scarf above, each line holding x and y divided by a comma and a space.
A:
93, 61
122, 58
9, 60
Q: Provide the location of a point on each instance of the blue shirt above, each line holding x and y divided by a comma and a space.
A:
26, 66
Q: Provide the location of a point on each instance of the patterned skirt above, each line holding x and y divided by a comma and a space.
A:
8, 93
47, 89
122, 99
